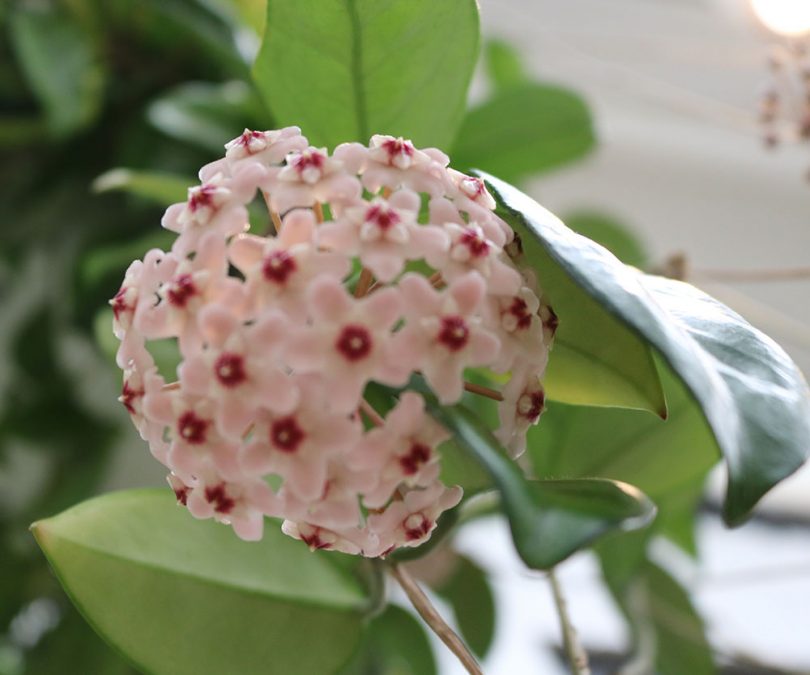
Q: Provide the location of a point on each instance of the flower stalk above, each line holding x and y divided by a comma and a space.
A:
434, 620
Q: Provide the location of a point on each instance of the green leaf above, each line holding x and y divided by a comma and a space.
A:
503, 65
60, 63
178, 596
659, 457
524, 130
608, 232
469, 594
753, 396
667, 628
395, 644
208, 115
158, 187
346, 69
550, 520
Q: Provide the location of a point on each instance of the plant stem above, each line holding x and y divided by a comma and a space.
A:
432, 618
481, 390
577, 658
363, 283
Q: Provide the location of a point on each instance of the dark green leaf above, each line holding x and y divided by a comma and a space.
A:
195, 598
395, 644
161, 188
469, 594
753, 396
550, 520
208, 115
524, 130
346, 69
60, 64
503, 65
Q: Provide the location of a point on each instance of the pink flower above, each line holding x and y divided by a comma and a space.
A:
443, 333
402, 452
279, 270
239, 369
348, 341
394, 163
519, 328
298, 445
524, 400
409, 521
311, 176
267, 147
384, 234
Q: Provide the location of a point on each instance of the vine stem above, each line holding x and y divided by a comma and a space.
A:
432, 618
577, 658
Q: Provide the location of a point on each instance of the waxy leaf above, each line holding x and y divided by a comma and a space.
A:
182, 597
550, 520
346, 69
160, 188
753, 396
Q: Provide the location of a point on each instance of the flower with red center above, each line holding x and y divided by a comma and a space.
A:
264, 147
418, 455
181, 289
230, 369
472, 239
400, 453
191, 428
382, 215
400, 152
354, 343
130, 396
286, 435
523, 404
348, 341
278, 266
123, 303
217, 496
443, 333
454, 333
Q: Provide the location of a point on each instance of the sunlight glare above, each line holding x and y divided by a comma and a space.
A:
787, 17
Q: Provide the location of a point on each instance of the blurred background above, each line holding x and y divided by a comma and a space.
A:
107, 107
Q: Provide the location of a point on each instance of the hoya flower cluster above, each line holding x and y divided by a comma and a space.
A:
378, 262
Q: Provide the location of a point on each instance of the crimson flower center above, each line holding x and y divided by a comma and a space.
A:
383, 217
181, 290
418, 454
531, 405
192, 429
454, 333
520, 310
278, 266
354, 342
416, 526
286, 435
308, 160
120, 305
201, 197
128, 397
476, 244
398, 146
217, 496
230, 369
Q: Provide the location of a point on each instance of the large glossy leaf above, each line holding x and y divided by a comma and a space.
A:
61, 65
160, 188
753, 396
525, 129
178, 596
346, 69
550, 520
